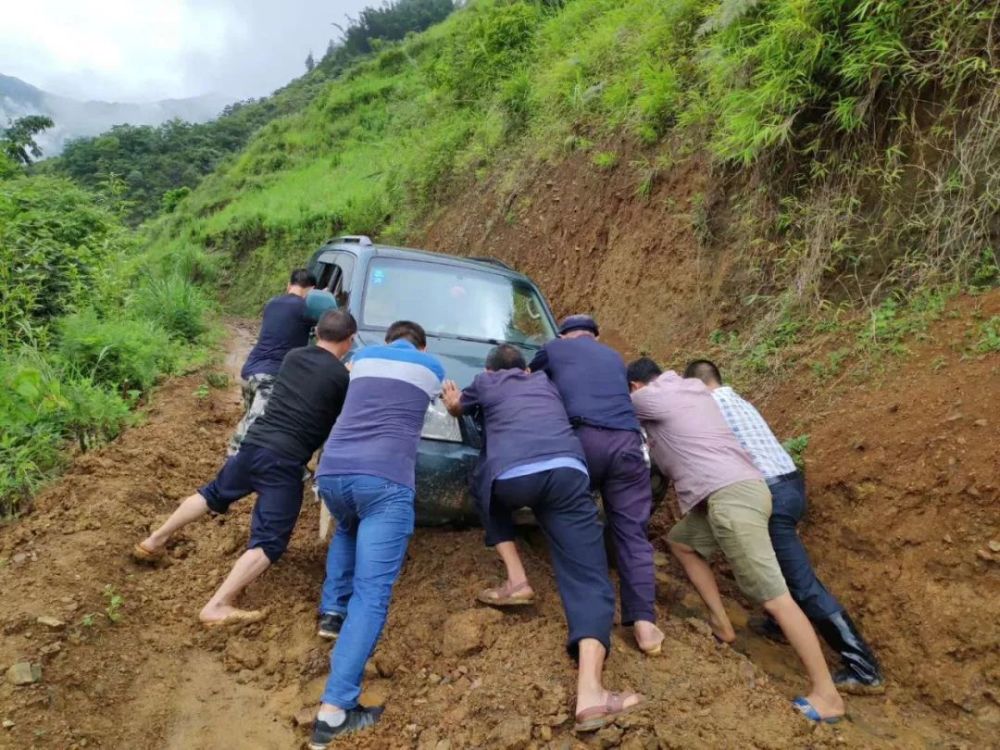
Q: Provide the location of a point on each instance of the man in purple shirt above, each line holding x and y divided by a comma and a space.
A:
531, 458
726, 506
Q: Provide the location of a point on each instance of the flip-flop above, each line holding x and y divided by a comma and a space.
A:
594, 718
239, 617
807, 709
145, 555
506, 596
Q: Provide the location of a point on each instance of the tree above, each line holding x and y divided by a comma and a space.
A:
18, 140
310, 63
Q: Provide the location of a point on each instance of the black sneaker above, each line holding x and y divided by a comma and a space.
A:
330, 625
357, 719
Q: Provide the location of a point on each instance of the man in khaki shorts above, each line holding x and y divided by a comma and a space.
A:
726, 506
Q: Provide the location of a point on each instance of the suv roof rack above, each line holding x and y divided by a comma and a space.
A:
493, 261
353, 239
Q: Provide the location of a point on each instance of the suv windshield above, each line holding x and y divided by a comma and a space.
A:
455, 301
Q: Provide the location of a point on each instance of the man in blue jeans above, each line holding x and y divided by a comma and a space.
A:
860, 672
366, 479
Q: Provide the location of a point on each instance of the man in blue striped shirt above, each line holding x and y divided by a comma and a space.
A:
366, 478
861, 672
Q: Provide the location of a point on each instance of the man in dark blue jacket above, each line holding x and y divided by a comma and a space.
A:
592, 381
532, 459
285, 326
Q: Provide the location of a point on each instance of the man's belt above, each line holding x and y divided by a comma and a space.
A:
771, 481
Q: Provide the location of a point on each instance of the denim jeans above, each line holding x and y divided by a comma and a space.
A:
374, 525
788, 507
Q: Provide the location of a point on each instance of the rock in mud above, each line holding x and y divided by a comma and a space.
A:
24, 673
51, 622
304, 716
463, 631
243, 654
511, 734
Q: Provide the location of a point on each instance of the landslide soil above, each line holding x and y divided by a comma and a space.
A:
903, 475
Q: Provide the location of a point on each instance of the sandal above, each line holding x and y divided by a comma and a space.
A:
239, 617
808, 710
657, 648
143, 554
507, 596
594, 718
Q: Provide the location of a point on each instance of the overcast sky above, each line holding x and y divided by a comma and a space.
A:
143, 50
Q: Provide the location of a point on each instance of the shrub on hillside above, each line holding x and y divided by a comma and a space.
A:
41, 406
173, 303
56, 248
128, 355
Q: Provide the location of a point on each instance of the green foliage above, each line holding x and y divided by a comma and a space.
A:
796, 448
174, 303
44, 402
57, 248
605, 159
18, 140
115, 602
126, 354
989, 336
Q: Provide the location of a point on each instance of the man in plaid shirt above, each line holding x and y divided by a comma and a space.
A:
861, 672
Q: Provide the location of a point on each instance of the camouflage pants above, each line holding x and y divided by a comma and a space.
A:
256, 392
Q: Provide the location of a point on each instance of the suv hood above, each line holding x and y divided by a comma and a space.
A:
462, 360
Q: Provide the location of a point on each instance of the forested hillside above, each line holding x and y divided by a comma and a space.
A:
839, 152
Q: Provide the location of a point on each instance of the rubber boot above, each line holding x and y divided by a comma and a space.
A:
861, 673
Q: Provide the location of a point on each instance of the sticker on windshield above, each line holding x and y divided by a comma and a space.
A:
378, 276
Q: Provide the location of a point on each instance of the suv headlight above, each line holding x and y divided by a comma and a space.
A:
439, 424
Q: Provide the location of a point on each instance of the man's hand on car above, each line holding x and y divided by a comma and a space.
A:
452, 398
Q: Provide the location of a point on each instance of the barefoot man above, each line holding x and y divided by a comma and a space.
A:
591, 379
307, 398
532, 459
726, 506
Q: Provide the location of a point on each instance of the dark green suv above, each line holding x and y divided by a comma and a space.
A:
467, 306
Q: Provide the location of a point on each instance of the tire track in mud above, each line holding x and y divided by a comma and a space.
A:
454, 675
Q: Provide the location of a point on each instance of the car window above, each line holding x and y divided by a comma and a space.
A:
451, 300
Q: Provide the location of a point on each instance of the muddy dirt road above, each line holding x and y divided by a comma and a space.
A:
124, 663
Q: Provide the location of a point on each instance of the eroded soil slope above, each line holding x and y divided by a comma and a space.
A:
455, 675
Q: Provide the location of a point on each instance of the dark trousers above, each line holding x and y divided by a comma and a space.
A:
560, 500
618, 470
788, 496
276, 479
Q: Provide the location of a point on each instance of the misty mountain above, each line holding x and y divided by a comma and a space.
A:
74, 118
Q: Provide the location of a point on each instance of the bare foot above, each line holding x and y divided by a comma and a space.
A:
225, 614
723, 632
508, 595
648, 637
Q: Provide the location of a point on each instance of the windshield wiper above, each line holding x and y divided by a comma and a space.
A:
495, 342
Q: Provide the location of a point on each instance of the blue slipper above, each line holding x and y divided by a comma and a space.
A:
809, 711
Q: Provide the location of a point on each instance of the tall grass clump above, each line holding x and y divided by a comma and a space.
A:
89, 322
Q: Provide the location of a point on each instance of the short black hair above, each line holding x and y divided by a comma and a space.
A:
407, 329
703, 369
336, 326
643, 370
301, 277
505, 357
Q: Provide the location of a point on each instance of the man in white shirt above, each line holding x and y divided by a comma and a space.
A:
860, 672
